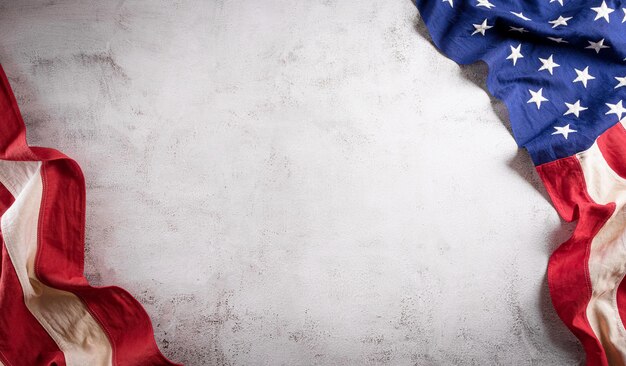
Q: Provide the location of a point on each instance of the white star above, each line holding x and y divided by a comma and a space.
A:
603, 11
622, 82
537, 97
617, 109
624, 10
557, 40
450, 2
559, 21
520, 15
516, 52
565, 131
485, 3
574, 109
583, 76
548, 64
597, 46
514, 29
559, 1
481, 28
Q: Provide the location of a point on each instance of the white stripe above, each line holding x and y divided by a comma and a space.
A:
61, 313
607, 257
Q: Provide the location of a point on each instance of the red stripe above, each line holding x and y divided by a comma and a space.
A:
621, 300
568, 277
59, 261
13, 144
612, 144
23, 341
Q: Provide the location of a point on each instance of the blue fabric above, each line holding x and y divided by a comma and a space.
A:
451, 28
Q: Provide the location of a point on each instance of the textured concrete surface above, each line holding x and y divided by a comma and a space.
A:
293, 182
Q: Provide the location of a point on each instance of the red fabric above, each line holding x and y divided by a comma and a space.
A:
60, 254
18, 327
568, 277
609, 143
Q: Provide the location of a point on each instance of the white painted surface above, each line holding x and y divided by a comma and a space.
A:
293, 183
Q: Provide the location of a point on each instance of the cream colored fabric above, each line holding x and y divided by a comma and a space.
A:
607, 257
61, 313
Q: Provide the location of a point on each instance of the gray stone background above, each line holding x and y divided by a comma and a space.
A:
293, 182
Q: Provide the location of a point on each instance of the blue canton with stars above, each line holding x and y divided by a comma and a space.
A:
559, 65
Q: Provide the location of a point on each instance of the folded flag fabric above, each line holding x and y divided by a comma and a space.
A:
560, 68
50, 314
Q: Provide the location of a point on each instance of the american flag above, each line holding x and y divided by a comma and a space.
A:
560, 68
50, 314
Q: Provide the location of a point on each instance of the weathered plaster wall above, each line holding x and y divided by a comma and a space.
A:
293, 182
